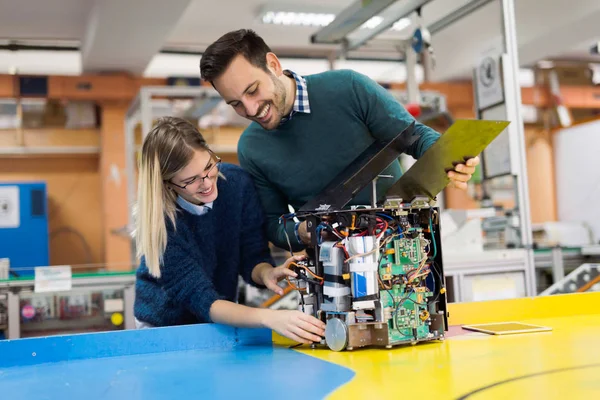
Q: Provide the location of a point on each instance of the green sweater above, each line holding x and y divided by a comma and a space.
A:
295, 162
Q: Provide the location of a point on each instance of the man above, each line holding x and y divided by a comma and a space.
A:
305, 130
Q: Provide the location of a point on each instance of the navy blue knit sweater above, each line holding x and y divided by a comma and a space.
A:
205, 254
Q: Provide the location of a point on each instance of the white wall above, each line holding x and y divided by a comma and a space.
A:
40, 62
577, 167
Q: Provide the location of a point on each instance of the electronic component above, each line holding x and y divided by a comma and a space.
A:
336, 293
379, 282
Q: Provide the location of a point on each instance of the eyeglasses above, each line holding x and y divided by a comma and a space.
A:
210, 174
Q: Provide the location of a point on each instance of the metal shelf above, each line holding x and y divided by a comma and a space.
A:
49, 150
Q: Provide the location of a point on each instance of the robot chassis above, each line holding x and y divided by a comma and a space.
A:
374, 274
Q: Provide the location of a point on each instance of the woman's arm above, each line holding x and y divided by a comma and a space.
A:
293, 324
184, 280
259, 272
255, 255
257, 265
186, 283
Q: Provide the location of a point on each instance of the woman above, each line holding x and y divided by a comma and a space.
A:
199, 226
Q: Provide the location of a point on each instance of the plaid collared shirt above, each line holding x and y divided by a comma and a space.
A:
301, 104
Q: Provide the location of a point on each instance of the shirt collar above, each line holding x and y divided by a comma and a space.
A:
195, 209
301, 104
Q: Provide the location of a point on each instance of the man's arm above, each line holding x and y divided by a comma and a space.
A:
274, 206
386, 117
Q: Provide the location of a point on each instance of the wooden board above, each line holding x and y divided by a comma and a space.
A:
7, 86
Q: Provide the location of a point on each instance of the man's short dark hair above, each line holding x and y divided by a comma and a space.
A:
219, 54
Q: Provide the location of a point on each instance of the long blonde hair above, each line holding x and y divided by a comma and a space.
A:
166, 150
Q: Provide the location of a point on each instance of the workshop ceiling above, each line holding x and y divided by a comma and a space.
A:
126, 35
57, 20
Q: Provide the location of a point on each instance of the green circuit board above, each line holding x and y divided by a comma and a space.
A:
407, 306
408, 253
402, 256
409, 314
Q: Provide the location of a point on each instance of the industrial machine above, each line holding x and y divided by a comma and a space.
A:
585, 278
24, 236
96, 302
375, 273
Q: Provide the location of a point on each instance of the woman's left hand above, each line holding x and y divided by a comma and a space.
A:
271, 276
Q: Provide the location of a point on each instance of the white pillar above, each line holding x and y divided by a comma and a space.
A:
412, 87
512, 90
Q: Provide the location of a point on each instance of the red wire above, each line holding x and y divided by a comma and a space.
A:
384, 229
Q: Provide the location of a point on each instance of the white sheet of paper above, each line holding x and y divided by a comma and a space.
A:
53, 279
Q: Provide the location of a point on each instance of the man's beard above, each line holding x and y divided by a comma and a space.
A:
277, 104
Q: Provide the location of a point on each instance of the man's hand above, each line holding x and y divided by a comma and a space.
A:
303, 233
295, 325
462, 173
269, 276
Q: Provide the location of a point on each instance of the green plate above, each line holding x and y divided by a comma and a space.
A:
428, 176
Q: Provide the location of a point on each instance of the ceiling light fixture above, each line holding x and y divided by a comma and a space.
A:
293, 18
401, 24
372, 23
297, 18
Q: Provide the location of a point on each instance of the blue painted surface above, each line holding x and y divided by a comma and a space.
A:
33, 351
27, 245
200, 361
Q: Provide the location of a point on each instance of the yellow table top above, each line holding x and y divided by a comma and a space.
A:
563, 363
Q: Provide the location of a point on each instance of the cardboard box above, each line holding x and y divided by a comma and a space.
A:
568, 75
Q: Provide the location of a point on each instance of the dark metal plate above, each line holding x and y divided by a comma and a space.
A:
361, 172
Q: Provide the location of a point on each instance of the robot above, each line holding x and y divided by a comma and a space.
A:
375, 273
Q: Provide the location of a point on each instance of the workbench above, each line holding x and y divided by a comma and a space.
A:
218, 362
14, 290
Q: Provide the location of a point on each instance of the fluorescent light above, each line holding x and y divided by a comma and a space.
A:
372, 23
297, 18
321, 19
401, 24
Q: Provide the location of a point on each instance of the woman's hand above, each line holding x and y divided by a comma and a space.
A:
295, 325
270, 276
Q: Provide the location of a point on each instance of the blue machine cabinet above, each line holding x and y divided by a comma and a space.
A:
24, 237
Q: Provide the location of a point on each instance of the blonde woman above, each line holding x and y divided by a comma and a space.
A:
200, 225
